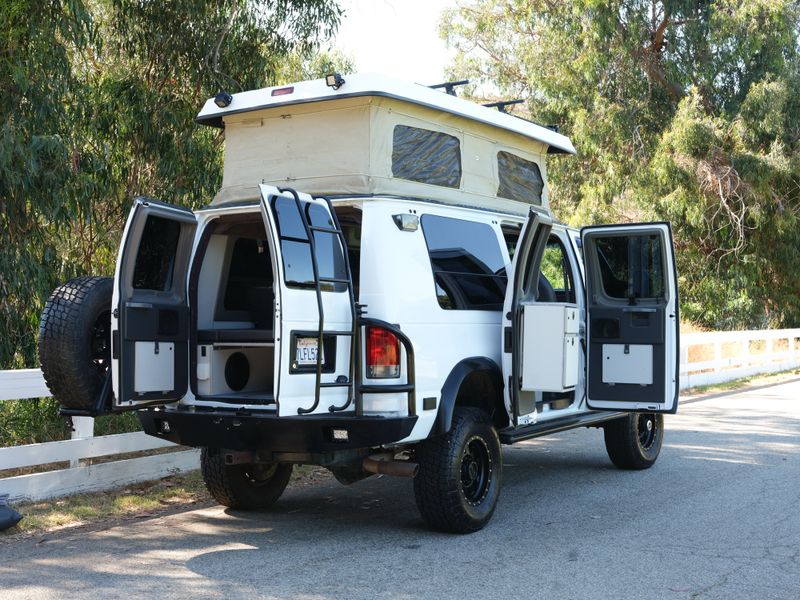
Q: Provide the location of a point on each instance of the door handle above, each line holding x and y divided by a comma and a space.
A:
636, 309
142, 305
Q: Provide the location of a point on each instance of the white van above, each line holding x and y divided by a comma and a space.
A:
378, 287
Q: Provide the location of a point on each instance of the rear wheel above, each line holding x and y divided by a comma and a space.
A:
634, 442
459, 477
243, 486
75, 340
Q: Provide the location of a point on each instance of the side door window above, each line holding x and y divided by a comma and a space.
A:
556, 283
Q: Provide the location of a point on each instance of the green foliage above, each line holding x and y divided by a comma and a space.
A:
99, 98
679, 110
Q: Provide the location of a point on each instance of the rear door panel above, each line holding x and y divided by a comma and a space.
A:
632, 317
150, 320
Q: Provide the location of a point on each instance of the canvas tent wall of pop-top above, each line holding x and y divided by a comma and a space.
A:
351, 140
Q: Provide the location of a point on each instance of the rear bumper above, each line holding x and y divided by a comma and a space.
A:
261, 432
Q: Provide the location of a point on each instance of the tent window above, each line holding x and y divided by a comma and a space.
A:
426, 156
520, 179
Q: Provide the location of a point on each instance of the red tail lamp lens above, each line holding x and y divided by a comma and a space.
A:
383, 354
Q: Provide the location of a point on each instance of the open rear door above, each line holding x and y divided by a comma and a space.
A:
522, 290
150, 319
313, 300
632, 317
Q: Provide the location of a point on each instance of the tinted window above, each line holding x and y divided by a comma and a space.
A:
250, 268
467, 263
426, 156
155, 259
631, 267
520, 179
296, 248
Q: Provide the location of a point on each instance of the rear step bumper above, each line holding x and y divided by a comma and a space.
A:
270, 433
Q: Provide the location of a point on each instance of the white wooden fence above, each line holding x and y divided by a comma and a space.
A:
706, 358
79, 477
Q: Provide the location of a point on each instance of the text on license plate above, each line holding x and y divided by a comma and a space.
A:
306, 352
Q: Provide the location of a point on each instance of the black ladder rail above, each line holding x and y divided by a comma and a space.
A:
355, 353
315, 267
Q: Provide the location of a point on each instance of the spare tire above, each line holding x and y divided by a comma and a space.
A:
75, 340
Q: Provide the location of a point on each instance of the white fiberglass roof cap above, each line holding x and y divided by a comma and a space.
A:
363, 84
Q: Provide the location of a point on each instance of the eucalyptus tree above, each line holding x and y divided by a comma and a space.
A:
98, 101
680, 110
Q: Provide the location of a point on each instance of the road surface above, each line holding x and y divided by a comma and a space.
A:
717, 517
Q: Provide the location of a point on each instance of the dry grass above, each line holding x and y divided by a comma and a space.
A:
143, 500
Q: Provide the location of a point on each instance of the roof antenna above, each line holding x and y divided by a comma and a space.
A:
503, 104
449, 86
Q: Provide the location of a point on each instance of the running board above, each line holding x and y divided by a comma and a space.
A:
513, 435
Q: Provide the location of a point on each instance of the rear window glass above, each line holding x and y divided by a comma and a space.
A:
467, 262
426, 156
631, 267
520, 179
155, 259
298, 268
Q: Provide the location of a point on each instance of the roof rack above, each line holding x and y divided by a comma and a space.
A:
503, 104
449, 86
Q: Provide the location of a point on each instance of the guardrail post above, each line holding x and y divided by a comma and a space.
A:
717, 356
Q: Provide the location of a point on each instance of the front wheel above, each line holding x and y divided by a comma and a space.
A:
459, 477
634, 442
243, 486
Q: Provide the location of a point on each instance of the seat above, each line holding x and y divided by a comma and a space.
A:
545, 291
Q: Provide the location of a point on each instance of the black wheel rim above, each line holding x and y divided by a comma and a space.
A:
648, 430
476, 470
101, 342
258, 474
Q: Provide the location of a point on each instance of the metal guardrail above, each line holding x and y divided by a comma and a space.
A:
706, 358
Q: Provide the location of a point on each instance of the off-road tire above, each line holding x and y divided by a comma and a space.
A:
631, 443
243, 486
449, 497
75, 340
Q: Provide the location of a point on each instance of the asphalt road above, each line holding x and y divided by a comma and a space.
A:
717, 517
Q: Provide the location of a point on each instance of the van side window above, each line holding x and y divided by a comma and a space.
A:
296, 248
520, 179
155, 258
426, 156
467, 263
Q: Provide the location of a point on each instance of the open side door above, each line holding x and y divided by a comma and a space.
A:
150, 318
313, 300
521, 290
632, 317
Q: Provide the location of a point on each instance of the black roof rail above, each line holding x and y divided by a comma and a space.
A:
449, 86
503, 104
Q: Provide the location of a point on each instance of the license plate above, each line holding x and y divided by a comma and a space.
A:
306, 351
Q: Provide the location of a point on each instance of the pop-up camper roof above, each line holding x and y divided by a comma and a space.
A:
375, 135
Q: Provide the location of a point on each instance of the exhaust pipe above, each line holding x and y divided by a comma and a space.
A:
398, 468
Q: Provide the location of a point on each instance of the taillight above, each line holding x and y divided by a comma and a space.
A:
383, 354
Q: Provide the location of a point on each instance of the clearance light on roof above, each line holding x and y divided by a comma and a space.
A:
383, 354
223, 99
282, 91
334, 81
